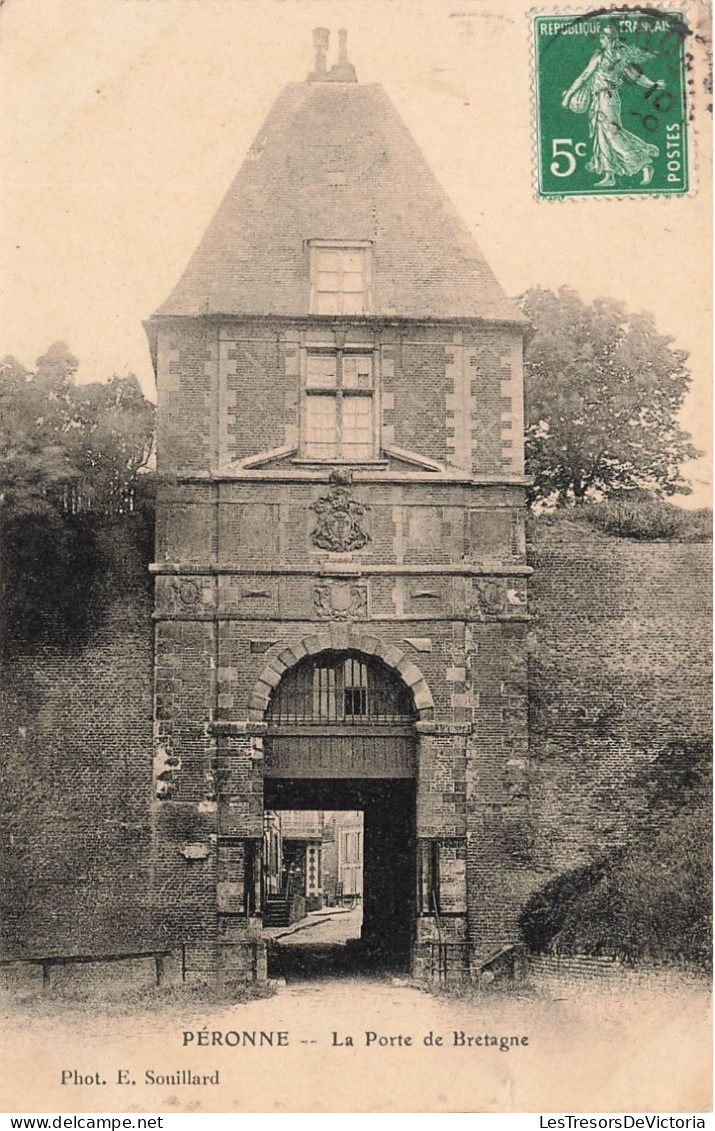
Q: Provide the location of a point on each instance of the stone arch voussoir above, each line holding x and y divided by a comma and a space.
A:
285, 657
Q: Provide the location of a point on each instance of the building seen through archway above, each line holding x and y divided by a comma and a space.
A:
340, 728
313, 855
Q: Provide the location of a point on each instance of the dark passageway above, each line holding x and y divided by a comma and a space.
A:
388, 903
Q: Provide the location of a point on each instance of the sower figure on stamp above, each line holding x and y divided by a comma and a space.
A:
614, 149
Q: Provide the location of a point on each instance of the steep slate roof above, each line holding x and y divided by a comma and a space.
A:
333, 160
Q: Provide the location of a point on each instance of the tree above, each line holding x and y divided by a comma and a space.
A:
603, 392
69, 446
71, 458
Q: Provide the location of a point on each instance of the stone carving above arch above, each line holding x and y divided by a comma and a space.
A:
339, 639
340, 600
339, 515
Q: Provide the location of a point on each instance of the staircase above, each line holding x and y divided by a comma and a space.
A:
281, 910
276, 912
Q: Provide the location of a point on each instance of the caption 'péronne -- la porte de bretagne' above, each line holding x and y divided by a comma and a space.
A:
341, 607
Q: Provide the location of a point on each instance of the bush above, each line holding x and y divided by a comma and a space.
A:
547, 910
650, 519
649, 900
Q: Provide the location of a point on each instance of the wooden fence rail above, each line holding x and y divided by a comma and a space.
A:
48, 961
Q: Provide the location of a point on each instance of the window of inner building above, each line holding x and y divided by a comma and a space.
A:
339, 405
339, 277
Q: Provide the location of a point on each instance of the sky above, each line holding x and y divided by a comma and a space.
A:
123, 123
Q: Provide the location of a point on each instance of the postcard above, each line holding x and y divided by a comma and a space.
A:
356, 558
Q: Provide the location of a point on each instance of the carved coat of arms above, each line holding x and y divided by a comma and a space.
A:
341, 601
491, 596
188, 592
339, 518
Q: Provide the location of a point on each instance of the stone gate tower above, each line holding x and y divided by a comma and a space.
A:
340, 572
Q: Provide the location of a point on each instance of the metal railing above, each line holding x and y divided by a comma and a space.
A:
447, 961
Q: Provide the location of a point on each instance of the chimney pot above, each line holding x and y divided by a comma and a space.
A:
321, 39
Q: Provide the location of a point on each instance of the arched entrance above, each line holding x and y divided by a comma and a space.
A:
341, 736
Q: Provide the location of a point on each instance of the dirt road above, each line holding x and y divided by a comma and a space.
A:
331, 926
635, 1051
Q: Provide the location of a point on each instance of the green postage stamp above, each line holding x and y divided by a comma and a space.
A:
610, 94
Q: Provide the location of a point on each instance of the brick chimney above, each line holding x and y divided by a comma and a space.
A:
321, 39
343, 70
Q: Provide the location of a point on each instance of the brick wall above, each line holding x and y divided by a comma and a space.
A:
76, 765
619, 658
269, 524
228, 391
619, 666
187, 377
571, 975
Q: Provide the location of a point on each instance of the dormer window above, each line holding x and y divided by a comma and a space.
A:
340, 277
